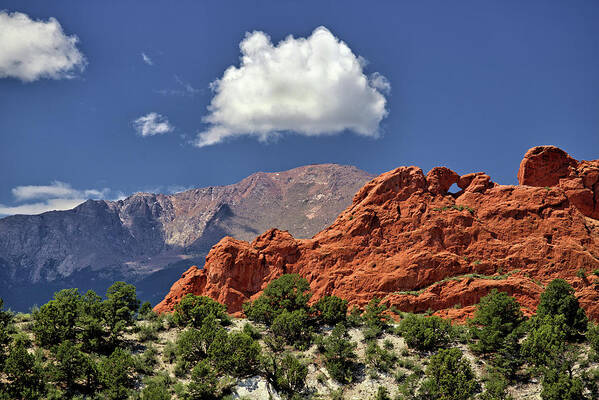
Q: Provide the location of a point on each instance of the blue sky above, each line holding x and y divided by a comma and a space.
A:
473, 85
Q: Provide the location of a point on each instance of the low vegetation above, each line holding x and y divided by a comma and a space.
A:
83, 346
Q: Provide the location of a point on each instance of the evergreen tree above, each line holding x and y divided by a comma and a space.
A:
331, 310
593, 337
562, 385
425, 333
339, 354
203, 385
294, 327
289, 292
508, 359
546, 341
291, 374
449, 376
6, 318
116, 374
56, 321
120, 306
374, 317
192, 310
236, 353
69, 366
497, 316
558, 299
24, 375
91, 333
192, 346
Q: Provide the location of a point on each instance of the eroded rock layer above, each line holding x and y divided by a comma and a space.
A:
407, 240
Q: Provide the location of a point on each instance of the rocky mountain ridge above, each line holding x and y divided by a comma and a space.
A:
100, 241
409, 241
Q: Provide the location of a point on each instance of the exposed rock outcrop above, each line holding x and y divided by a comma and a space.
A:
407, 240
549, 166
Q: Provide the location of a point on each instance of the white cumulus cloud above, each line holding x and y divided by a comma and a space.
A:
35, 199
30, 50
311, 86
152, 124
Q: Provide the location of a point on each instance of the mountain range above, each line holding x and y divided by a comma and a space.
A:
150, 239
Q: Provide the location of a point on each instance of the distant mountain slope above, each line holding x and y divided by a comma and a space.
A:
133, 239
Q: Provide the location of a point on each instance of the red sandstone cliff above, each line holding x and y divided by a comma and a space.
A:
409, 241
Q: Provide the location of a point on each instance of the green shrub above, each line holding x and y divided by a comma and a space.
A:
146, 312
120, 307
157, 388
336, 394
495, 388
378, 358
339, 354
169, 353
191, 346
236, 353
354, 318
289, 292
331, 310
148, 331
425, 333
115, 373
409, 364
381, 394
6, 319
497, 315
558, 299
148, 360
192, 310
291, 374
508, 359
449, 376
408, 388
374, 317
590, 378
23, 374
252, 331
562, 385
293, 327
593, 337
69, 364
203, 385
546, 340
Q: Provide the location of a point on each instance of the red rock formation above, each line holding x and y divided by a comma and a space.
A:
549, 166
407, 240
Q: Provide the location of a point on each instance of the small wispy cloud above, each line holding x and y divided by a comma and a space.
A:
36, 199
54, 190
152, 124
147, 59
185, 89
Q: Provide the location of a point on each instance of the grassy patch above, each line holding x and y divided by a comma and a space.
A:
457, 278
455, 207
